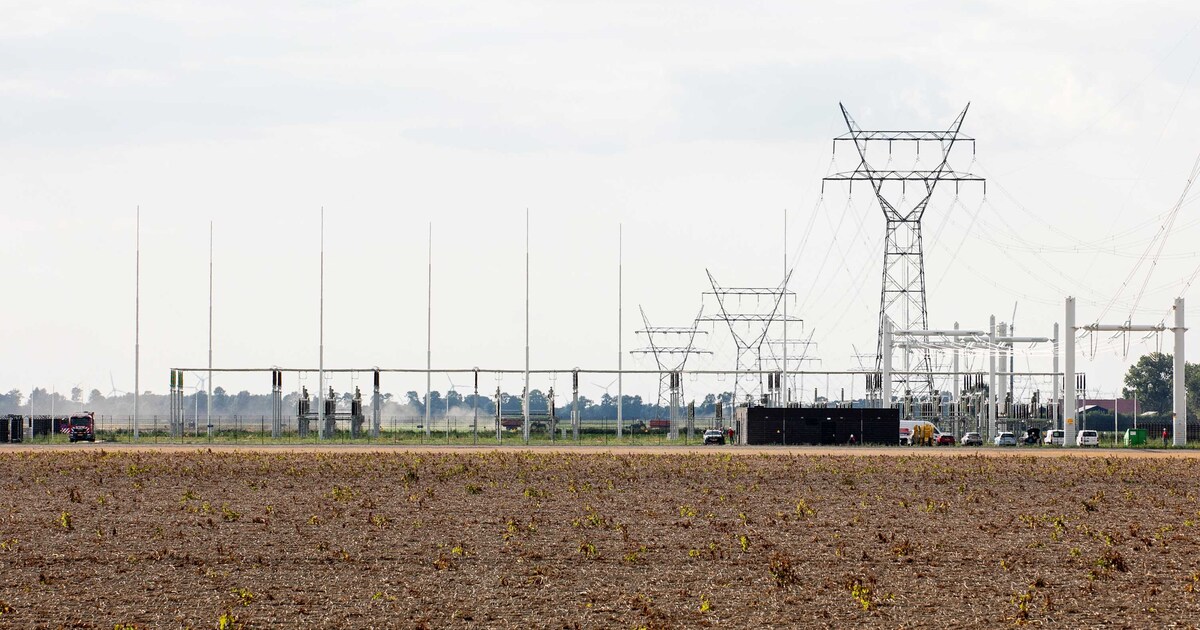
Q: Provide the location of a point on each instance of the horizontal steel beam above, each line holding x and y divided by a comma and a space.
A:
1123, 328
903, 176
940, 333
904, 136
569, 370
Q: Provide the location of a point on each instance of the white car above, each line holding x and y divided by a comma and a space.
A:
1087, 437
1055, 437
1005, 438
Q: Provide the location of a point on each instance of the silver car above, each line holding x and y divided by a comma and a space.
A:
971, 438
1005, 438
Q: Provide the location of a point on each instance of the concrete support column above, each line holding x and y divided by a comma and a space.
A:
886, 385
1179, 395
1069, 403
954, 400
1055, 420
991, 392
1001, 373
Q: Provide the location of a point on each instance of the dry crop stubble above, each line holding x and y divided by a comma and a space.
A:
259, 539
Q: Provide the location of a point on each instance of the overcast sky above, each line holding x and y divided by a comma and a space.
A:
693, 124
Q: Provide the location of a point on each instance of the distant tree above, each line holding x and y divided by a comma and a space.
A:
485, 404
1191, 378
242, 402
10, 402
538, 403
414, 400
76, 394
436, 404
220, 400
1150, 380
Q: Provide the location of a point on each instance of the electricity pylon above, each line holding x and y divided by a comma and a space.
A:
902, 294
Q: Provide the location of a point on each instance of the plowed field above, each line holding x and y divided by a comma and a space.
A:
95, 538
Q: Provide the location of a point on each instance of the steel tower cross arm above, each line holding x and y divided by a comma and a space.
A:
918, 211
860, 145
864, 172
650, 338
868, 174
716, 292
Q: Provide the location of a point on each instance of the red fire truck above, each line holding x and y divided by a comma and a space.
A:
82, 427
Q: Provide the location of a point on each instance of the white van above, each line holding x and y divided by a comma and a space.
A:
1088, 437
1055, 437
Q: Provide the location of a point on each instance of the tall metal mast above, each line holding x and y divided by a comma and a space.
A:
321, 335
208, 396
137, 320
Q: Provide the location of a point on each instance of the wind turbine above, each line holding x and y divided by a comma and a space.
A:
605, 387
454, 389
196, 389
114, 391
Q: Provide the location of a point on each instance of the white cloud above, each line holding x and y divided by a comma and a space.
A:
692, 123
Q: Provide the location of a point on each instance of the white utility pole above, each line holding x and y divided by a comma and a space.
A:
991, 393
785, 314
137, 317
1002, 367
208, 382
321, 337
526, 402
956, 392
429, 339
886, 376
1179, 433
1054, 415
1069, 378
620, 353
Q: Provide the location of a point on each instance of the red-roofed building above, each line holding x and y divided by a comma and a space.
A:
1125, 406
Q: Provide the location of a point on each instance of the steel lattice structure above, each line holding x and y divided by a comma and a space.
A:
749, 327
671, 358
902, 294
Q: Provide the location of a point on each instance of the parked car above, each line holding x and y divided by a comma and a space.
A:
714, 436
1055, 437
945, 439
1033, 435
1087, 437
1005, 438
971, 438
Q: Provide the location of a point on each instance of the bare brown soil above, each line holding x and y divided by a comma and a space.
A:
892, 451
352, 537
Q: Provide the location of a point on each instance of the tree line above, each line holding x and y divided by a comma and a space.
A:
412, 403
1149, 379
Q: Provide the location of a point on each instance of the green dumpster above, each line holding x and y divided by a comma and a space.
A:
1135, 437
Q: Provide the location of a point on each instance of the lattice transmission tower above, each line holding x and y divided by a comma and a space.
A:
749, 325
670, 346
902, 294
